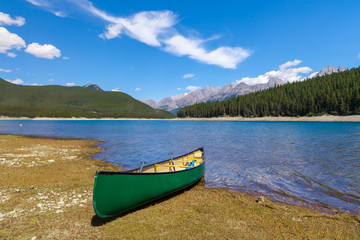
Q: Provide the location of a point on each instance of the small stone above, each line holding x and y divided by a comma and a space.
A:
59, 211
260, 200
51, 160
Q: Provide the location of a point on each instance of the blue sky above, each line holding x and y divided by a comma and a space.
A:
156, 49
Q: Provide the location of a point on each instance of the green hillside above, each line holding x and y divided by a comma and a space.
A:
336, 94
59, 101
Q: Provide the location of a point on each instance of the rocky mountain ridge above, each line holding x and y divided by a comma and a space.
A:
230, 90
329, 70
209, 93
93, 87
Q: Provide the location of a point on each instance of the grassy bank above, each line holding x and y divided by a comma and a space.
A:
46, 192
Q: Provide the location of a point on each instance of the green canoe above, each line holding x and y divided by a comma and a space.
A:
118, 192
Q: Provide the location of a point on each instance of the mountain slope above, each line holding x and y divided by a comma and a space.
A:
60, 101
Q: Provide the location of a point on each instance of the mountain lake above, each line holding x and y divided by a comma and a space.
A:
318, 162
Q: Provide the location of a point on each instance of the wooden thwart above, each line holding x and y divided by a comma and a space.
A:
163, 165
188, 160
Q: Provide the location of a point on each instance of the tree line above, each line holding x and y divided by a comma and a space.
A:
336, 94
32, 112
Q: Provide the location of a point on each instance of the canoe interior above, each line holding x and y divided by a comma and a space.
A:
177, 164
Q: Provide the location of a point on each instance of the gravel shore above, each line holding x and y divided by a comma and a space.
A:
324, 118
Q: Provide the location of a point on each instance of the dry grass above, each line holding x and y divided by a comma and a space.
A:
53, 200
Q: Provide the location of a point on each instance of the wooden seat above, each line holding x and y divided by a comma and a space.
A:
164, 165
188, 160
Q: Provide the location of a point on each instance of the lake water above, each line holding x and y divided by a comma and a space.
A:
317, 162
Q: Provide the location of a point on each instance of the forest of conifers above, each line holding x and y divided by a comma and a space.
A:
336, 94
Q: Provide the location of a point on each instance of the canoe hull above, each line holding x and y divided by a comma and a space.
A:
118, 192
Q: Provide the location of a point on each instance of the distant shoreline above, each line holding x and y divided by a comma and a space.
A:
324, 118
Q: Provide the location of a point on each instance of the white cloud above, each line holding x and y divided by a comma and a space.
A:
5, 19
145, 26
115, 90
359, 56
192, 88
112, 31
70, 84
16, 81
225, 57
38, 2
189, 75
178, 89
35, 84
59, 13
288, 64
156, 28
47, 51
138, 89
51, 80
66, 58
5, 70
284, 73
49, 6
11, 54
9, 41
312, 75
88, 6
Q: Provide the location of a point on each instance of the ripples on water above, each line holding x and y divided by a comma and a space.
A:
317, 162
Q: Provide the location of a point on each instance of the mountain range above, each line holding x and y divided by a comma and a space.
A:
210, 94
